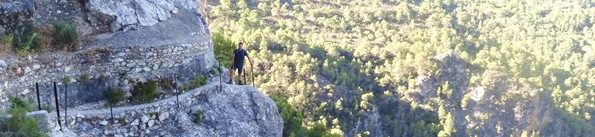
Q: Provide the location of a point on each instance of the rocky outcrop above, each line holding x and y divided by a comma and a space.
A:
130, 14
232, 111
93, 16
13, 12
174, 42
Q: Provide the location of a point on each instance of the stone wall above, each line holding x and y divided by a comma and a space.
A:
109, 66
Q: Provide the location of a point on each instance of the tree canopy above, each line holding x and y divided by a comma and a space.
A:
339, 62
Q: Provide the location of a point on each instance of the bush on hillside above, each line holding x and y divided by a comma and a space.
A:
114, 96
198, 117
23, 37
20, 103
6, 42
199, 81
144, 91
65, 36
20, 125
166, 83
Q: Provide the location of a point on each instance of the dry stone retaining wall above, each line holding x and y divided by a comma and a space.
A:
108, 66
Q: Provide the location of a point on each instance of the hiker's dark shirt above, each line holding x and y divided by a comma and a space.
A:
239, 56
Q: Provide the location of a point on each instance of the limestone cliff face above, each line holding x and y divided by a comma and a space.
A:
131, 14
122, 42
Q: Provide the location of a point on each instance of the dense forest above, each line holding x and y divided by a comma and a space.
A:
419, 68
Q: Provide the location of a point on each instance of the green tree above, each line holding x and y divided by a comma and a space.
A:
19, 124
292, 119
448, 124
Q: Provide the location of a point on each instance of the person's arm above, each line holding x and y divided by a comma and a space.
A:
246, 53
249, 60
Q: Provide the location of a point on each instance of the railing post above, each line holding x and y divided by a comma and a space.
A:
244, 76
220, 78
38, 99
66, 103
252, 74
176, 90
111, 110
57, 105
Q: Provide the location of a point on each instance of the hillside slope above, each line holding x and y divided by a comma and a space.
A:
423, 68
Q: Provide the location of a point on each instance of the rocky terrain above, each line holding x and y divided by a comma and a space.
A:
123, 43
231, 111
107, 56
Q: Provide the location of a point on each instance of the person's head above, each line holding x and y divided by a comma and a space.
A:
240, 45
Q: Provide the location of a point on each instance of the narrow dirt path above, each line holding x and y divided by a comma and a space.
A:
183, 96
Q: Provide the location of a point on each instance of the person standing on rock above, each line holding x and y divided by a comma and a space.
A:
238, 62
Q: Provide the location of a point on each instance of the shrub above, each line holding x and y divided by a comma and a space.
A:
214, 71
18, 102
24, 36
223, 48
122, 120
145, 91
6, 42
47, 108
292, 119
25, 47
20, 125
166, 83
85, 77
44, 38
182, 88
114, 96
199, 81
151, 114
123, 73
198, 117
27, 37
65, 36
66, 80
7, 39
219, 68
319, 130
